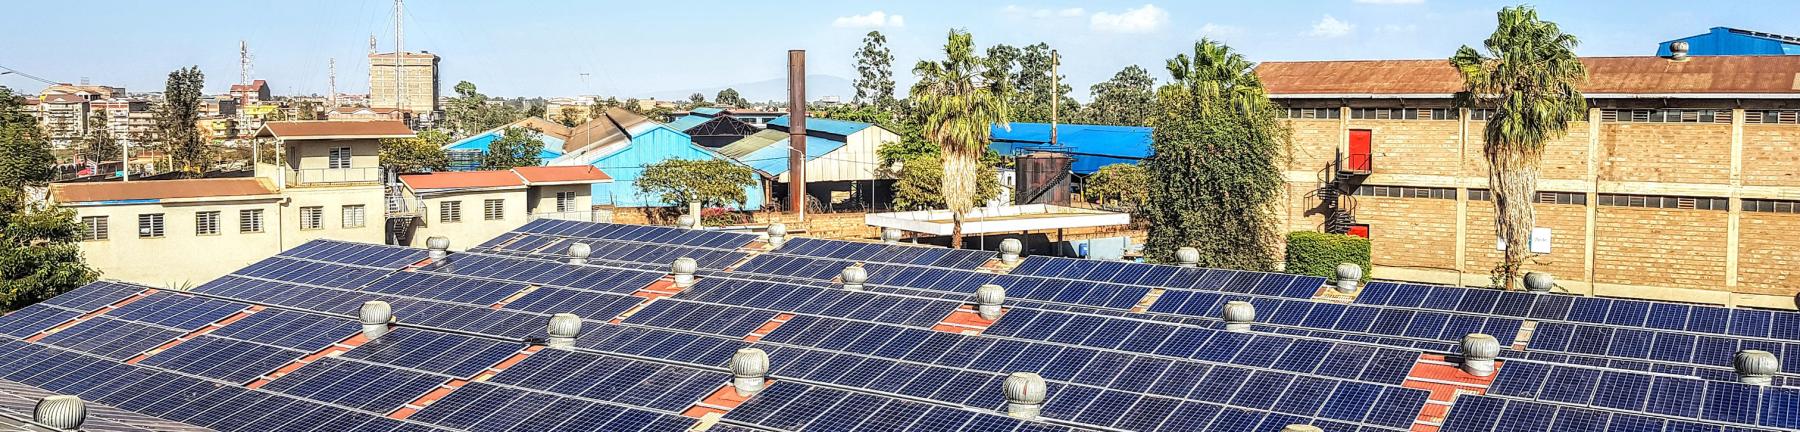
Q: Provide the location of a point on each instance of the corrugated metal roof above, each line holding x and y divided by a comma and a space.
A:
831, 126
688, 122
773, 158
1092, 146
752, 143
1606, 75
708, 111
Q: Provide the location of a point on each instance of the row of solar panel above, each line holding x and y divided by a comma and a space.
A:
965, 259
442, 287
111, 338
93, 296
1096, 371
1165, 276
613, 379
540, 272
176, 310
1473, 413
364, 386
444, 353
1596, 310
792, 406
482, 406
634, 255
1716, 351
829, 302
361, 254
1702, 372
638, 233
224, 359
796, 266
346, 303
312, 272
1680, 397
701, 317
690, 348
19, 401
181, 398
1373, 320
35, 318
963, 281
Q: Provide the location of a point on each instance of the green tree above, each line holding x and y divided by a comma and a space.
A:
710, 182
1128, 99
28, 160
422, 153
308, 110
875, 72
696, 100
571, 116
535, 110
1035, 89
919, 183
729, 96
516, 147
957, 107
176, 119
1529, 77
1119, 186
469, 112
99, 144
1215, 174
38, 253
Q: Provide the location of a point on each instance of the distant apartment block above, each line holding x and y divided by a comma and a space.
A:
420, 74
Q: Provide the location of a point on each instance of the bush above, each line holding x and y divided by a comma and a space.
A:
1314, 253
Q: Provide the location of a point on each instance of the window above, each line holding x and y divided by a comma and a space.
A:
1543, 197
93, 228
206, 223
1666, 116
565, 201
340, 157
1308, 113
250, 221
1406, 192
1667, 202
312, 218
150, 225
1405, 113
1750, 205
493, 209
450, 211
353, 216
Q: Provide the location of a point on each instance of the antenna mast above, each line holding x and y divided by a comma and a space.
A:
243, 62
399, 49
1055, 94
331, 80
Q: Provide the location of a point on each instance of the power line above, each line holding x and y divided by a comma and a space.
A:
23, 74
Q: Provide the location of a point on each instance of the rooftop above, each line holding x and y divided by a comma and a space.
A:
335, 129
512, 178
157, 190
1607, 76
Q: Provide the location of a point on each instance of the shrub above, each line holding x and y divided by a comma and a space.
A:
1318, 254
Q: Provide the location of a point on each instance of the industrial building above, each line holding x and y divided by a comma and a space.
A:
1091, 146
1730, 41
1680, 184
420, 88
713, 127
840, 160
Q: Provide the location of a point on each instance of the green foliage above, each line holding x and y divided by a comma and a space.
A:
308, 110
175, 122
422, 153
469, 112
27, 160
729, 96
1315, 253
516, 147
1120, 186
535, 110
99, 144
39, 257
875, 72
570, 116
1128, 99
918, 183
957, 107
1215, 174
696, 100
711, 182
1529, 78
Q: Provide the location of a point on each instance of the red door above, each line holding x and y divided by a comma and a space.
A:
1359, 231
1362, 156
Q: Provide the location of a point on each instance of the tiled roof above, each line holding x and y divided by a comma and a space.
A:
335, 129
562, 174
160, 189
1606, 75
516, 177
256, 85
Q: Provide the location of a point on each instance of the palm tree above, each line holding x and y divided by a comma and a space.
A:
956, 106
1529, 79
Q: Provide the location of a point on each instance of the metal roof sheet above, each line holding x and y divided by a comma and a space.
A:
1606, 75
831, 126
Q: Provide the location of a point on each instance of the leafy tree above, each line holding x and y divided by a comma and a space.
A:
957, 107
422, 153
1128, 99
516, 147
919, 183
1529, 78
1034, 89
100, 145
875, 69
570, 116
176, 120
535, 110
308, 110
711, 182
469, 112
1119, 186
729, 96
1215, 174
1000, 61
696, 100
38, 254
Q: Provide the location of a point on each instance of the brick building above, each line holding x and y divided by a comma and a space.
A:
1682, 184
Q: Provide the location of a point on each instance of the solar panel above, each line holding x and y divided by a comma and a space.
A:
360, 254
1783, 325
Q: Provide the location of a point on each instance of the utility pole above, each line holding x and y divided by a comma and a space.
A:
1055, 96
797, 132
399, 48
331, 82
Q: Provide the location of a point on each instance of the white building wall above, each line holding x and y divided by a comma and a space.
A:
180, 258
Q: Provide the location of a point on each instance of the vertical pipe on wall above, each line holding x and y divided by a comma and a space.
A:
797, 132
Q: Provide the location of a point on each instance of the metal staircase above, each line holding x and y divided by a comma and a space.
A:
1337, 192
402, 213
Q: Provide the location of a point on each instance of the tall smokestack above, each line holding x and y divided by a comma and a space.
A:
797, 132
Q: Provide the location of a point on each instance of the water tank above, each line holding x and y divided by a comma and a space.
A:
1043, 178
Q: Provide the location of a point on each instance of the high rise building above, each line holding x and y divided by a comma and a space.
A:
419, 90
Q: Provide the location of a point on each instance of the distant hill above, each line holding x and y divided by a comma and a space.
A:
817, 87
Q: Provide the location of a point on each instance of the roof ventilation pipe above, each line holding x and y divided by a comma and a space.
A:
563, 329
686, 221
1539, 282
777, 235
438, 247
1478, 354
375, 316
62, 412
890, 235
854, 277
1678, 51
693, 216
988, 299
684, 271
1348, 275
749, 371
1187, 257
1756, 367
578, 253
1009, 250
1025, 392
1239, 315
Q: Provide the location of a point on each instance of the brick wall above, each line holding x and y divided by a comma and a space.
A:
1567, 259
1666, 152
1314, 144
1564, 158
1410, 232
1771, 153
1300, 201
1428, 147
1661, 247
1768, 253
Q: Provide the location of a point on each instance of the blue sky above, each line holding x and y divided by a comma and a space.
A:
543, 48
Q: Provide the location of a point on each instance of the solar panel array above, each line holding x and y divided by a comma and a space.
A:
1121, 346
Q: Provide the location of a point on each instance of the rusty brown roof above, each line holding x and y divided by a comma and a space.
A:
329, 129
562, 174
160, 189
1606, 75
462, 180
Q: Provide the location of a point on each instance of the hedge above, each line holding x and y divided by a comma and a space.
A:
1318, 254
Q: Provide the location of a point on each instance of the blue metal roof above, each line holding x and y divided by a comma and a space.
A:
773, 159
831, 126
1730, 41
709, 111
688, 122
1092, 146
481, 142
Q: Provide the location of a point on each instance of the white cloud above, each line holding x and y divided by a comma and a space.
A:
1145, 19
1219, 30
1329, 27
1390, 2
1043, 13
1071, 12
871, 19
